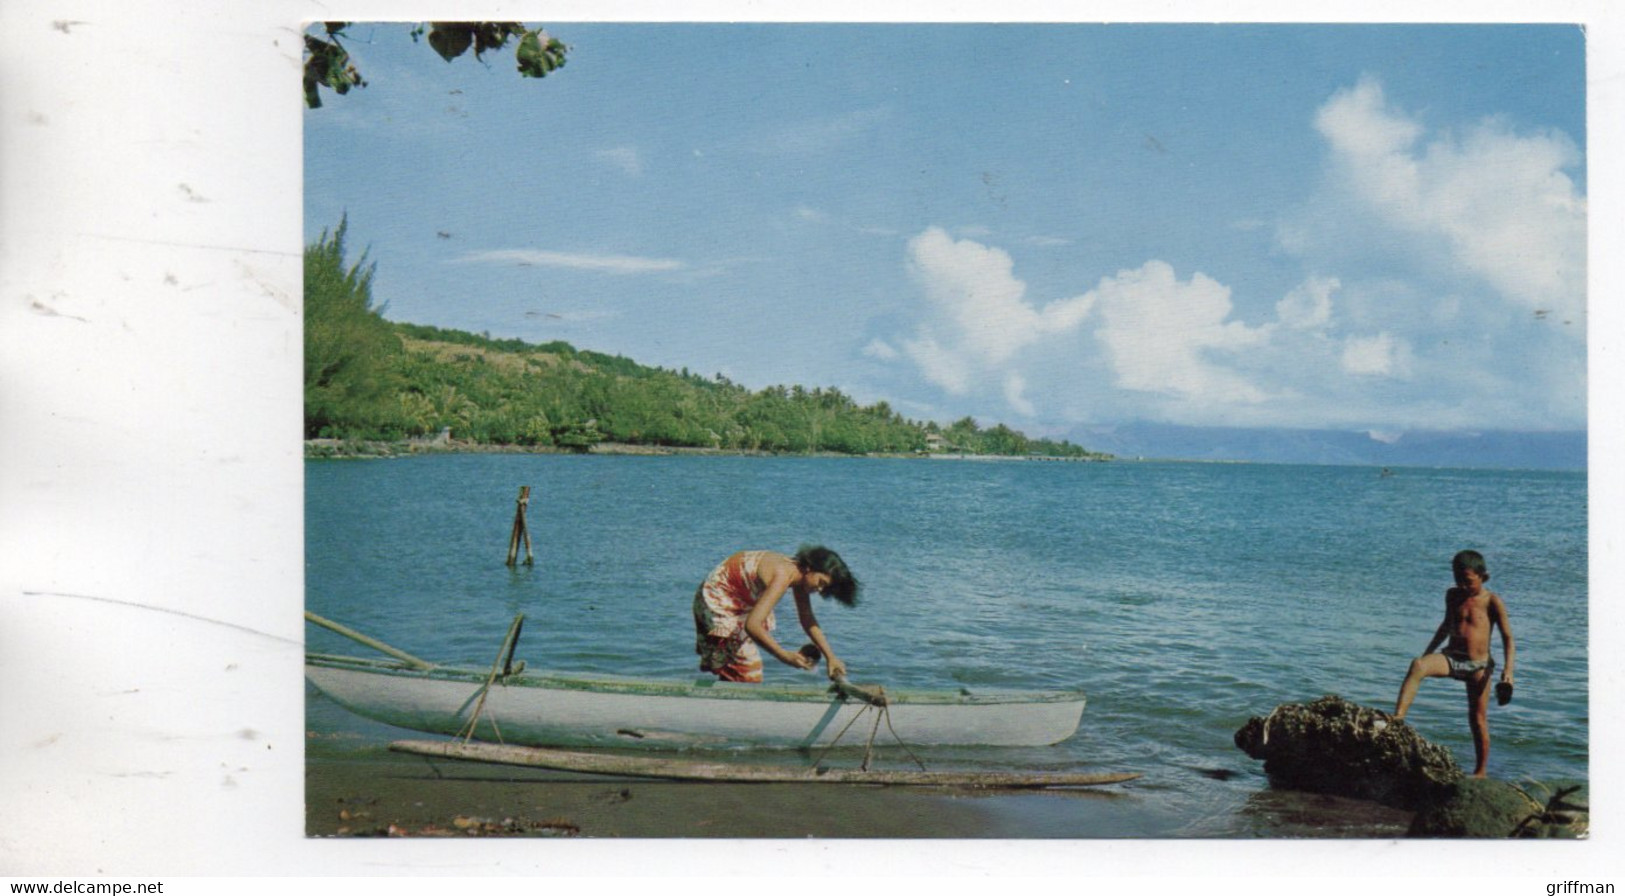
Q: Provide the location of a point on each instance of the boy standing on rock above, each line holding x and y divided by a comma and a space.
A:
1470, 612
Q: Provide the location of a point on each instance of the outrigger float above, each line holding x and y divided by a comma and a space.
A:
511, 716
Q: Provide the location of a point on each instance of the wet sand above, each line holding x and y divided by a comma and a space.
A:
356, 787
387, 794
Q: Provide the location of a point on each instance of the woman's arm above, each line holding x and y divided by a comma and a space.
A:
809, 622
777, 578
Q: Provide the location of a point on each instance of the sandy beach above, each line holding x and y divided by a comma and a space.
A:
381, 795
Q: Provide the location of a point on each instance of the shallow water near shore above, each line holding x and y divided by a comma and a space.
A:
1183, 598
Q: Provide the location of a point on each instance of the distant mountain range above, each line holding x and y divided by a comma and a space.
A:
1487, 449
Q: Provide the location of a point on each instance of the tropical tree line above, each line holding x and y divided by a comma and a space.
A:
367, 378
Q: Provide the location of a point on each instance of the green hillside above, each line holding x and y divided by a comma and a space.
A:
367, 378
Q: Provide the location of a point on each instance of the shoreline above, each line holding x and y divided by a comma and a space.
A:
362, 449
378, 794
381, 794
338, 449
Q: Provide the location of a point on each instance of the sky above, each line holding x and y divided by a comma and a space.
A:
1375, 228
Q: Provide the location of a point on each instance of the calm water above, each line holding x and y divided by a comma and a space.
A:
1183, 598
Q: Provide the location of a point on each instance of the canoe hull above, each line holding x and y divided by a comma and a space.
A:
548, 710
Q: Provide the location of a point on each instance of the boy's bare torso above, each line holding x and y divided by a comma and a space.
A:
1469, 617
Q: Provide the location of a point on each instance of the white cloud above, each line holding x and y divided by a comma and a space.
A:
938, 364
981, 302
977, 324
1355, 123
1499, 202
610, 264
1167, 337
881, 349
1459, 263
1015, 394
625, 158
1387, 342
1309, 305
1143, 340
1379, 355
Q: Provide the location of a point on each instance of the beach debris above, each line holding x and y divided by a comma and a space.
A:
353, 808
1338, 747
475, 826
558, 827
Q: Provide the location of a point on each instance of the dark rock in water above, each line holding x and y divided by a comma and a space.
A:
1475, 807
1338, 747
1481, 807
1567, 809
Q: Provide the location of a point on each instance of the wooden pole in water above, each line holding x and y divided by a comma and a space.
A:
524, 529
520, 530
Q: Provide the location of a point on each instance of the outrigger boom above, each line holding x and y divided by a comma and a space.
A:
690, 770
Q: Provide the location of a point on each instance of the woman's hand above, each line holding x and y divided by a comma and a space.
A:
837, 669
800, 660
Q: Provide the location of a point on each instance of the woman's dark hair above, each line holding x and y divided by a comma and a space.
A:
1472, 560
843, 586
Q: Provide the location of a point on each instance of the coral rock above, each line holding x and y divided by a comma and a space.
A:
1338, 747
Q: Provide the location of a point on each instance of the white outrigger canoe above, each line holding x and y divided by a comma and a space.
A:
546, 709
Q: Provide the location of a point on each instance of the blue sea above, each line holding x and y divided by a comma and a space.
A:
1183, 597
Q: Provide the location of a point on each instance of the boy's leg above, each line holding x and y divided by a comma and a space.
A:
1432, 665
1478, 718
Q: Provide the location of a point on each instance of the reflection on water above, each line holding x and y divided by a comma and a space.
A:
1293, 813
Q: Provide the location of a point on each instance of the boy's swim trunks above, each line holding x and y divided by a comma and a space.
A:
1462, 668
